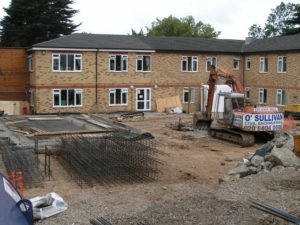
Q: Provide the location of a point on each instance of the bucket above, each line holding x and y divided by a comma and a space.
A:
297, 144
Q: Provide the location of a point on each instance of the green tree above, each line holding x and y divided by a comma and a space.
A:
31, 21
183, 27
294, 21
135, 33
276, 23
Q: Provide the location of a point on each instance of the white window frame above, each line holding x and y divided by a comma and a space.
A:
194, 59
279, 97
124, 59
246, 91
57, 56
238, 63
210, 59
261, 92
30, 63
262, 65
58, 92
280, 63
113, 91
248, 60
191, 95
142, 58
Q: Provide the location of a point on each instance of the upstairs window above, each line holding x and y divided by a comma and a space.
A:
236, 64
248, 63
281, 64
118, 96
188, 95
143, 63
281, 97
262, 96
118, 63
189, 64
263, 64
210, 61
66, 62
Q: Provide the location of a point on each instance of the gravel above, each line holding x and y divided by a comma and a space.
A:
189, 203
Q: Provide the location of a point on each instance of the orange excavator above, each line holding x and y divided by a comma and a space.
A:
228, 116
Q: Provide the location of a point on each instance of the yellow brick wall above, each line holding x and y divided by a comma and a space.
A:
272, 80
165, 73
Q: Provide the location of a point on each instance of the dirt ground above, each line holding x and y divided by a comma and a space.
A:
187, 191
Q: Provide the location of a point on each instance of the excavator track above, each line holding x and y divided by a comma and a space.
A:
244, 139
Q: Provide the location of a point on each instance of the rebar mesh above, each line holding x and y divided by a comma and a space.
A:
21, 159
114, 158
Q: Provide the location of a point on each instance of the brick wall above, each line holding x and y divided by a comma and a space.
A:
165, 79
272, 80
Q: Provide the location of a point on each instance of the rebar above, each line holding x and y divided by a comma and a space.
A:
21, 159
110, 159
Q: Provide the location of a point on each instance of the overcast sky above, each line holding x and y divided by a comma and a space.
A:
231, 17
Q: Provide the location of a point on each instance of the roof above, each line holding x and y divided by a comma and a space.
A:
128, 42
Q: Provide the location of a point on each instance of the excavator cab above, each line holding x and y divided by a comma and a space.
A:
233, 102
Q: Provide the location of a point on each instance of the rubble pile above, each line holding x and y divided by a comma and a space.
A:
276, 154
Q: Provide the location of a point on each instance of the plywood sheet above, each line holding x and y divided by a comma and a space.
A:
163, 103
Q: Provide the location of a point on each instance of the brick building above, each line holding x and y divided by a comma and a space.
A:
105, 73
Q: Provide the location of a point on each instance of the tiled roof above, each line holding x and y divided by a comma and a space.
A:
127, 42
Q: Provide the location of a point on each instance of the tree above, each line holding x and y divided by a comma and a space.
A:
295, 21
276, 23
31, 21
183, 27
135, 33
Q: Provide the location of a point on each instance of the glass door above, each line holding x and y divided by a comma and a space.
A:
143, 99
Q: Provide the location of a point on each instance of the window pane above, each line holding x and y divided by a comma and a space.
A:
111, 98
55, 64
194, 65
118, 96
189, 64
112, 64
140, 105
124, 98
118, 63
186, 96
266, 64
124, 64
146, 64
284, 64
63, 97
78, 99
265, 95
139, 65
71, 99
56, 99
184, 66
70, 62
77, 64
63, 62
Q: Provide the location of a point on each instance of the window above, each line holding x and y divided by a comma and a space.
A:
236, 64
118, 96
143, 63
262, 96
118, 63
263, 64
210, 61
248, 63
247, 92
281, 97
67, 97
281, 64
66, 62
30, 63
189, 64
188, 95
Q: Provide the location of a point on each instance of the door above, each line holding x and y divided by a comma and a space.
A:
143, 99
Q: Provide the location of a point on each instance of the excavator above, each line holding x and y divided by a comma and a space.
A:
228, 116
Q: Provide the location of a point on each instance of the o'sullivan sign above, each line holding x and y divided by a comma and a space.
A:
263, 122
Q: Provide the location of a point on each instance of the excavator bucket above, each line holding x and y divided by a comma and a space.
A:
202, 121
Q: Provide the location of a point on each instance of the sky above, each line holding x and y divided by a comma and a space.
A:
231, 17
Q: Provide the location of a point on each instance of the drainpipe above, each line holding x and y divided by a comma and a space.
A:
96, 71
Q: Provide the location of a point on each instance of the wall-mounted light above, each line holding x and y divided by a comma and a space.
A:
43, 52
131, 86
155, 86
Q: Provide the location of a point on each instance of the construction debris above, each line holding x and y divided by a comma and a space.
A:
275, 154
23, 160
114, 158
181, 125
102, 221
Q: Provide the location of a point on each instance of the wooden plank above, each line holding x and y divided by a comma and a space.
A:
61, 133
163, 103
